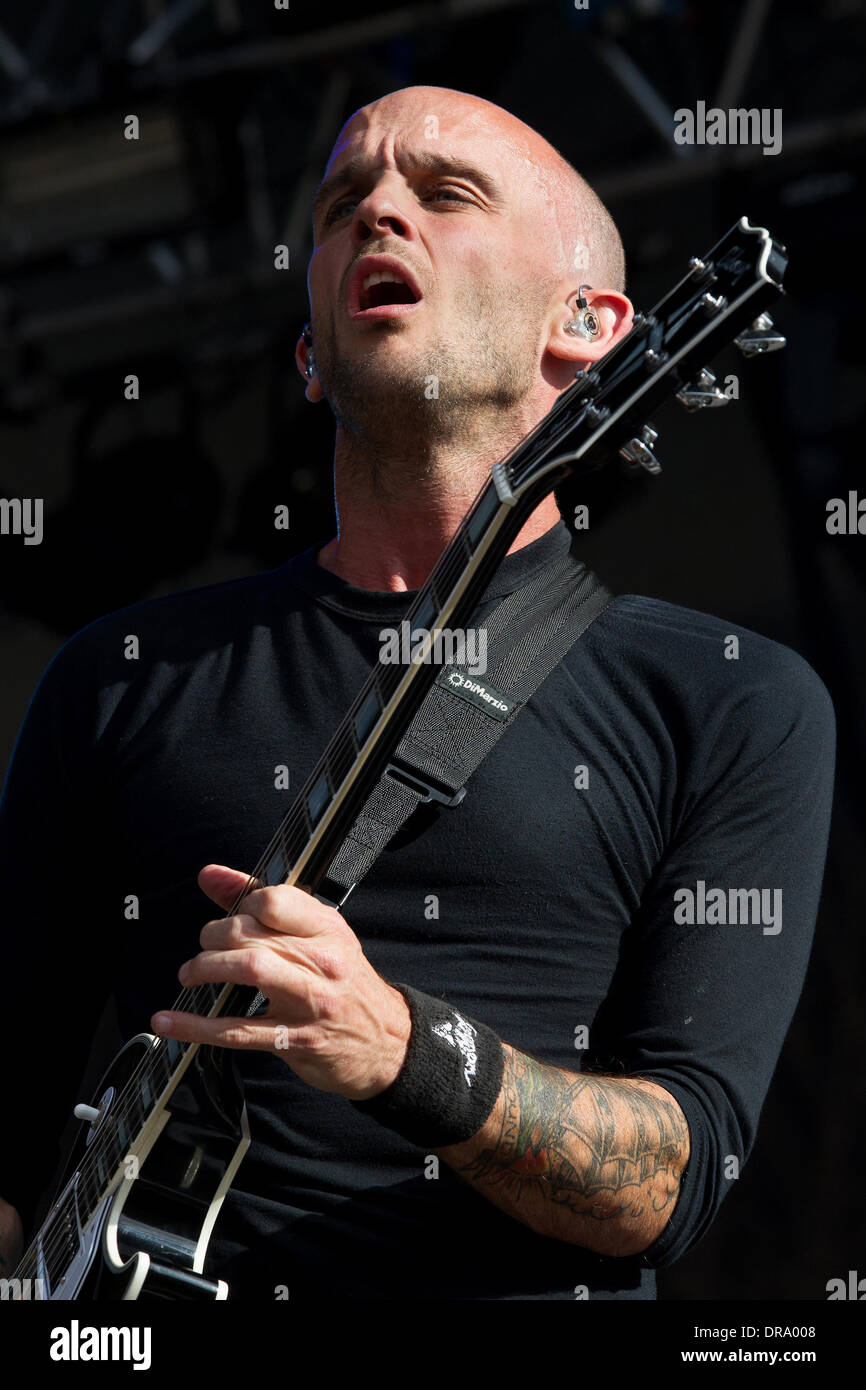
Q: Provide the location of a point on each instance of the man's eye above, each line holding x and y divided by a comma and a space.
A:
454, 195
334, 212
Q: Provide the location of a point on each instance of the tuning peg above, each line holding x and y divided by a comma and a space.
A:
712, 303
760, 336
639, 451
702, 392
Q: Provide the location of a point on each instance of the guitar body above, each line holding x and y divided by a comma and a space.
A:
149, 1237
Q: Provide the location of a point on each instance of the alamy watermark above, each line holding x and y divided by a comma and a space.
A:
737, 126
405, 646
77, 1343
22, 516
21, 1290
846, 516
704, 906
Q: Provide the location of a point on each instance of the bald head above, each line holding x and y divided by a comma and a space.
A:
580, 233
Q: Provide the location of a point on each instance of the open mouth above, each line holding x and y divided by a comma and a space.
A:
383, 287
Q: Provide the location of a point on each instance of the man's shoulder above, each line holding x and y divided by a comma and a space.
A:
707, 660
181, 624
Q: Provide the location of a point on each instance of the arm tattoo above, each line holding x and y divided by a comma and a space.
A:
599, 1146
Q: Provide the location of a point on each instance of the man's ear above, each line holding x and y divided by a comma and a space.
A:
314, 391
614, 312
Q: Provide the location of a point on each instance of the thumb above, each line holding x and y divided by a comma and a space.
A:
223, 885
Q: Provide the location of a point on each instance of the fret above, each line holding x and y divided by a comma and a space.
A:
305, 812
341, 756
297, 842
366, 717
284, 852
347, 728
481, 516
318, 798
279, 861
274, 869
462, 539
424, 612
388, 678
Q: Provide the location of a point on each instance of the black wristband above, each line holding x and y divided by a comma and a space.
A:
450, 1079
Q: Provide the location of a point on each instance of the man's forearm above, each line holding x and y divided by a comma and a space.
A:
593, 1160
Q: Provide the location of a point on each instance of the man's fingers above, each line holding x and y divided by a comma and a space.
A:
281, 907
216, 1032
225, 932
241, 966
222, 884
291, 910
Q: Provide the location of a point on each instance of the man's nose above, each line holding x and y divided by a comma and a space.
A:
383, 210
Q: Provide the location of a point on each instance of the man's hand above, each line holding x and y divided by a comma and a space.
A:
335, 1022
11, 1239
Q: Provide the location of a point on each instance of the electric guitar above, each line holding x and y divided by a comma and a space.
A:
167, 1129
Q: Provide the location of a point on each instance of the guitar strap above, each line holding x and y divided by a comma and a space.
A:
463, 715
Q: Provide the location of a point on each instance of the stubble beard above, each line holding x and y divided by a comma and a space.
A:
400, 409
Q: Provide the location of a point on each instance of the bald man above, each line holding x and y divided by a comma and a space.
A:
630, 1047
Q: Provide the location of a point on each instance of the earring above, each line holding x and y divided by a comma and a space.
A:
310, 369
585, 322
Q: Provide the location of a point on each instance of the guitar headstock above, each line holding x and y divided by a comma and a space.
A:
721, 298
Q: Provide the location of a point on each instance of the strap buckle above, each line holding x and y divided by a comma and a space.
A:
421, 784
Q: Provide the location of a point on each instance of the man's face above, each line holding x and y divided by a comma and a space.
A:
425, 188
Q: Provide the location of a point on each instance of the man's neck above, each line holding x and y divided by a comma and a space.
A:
394, 522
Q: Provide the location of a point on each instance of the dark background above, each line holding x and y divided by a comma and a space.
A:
156, 257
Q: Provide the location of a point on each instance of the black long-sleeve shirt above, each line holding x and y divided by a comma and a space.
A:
537, 906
